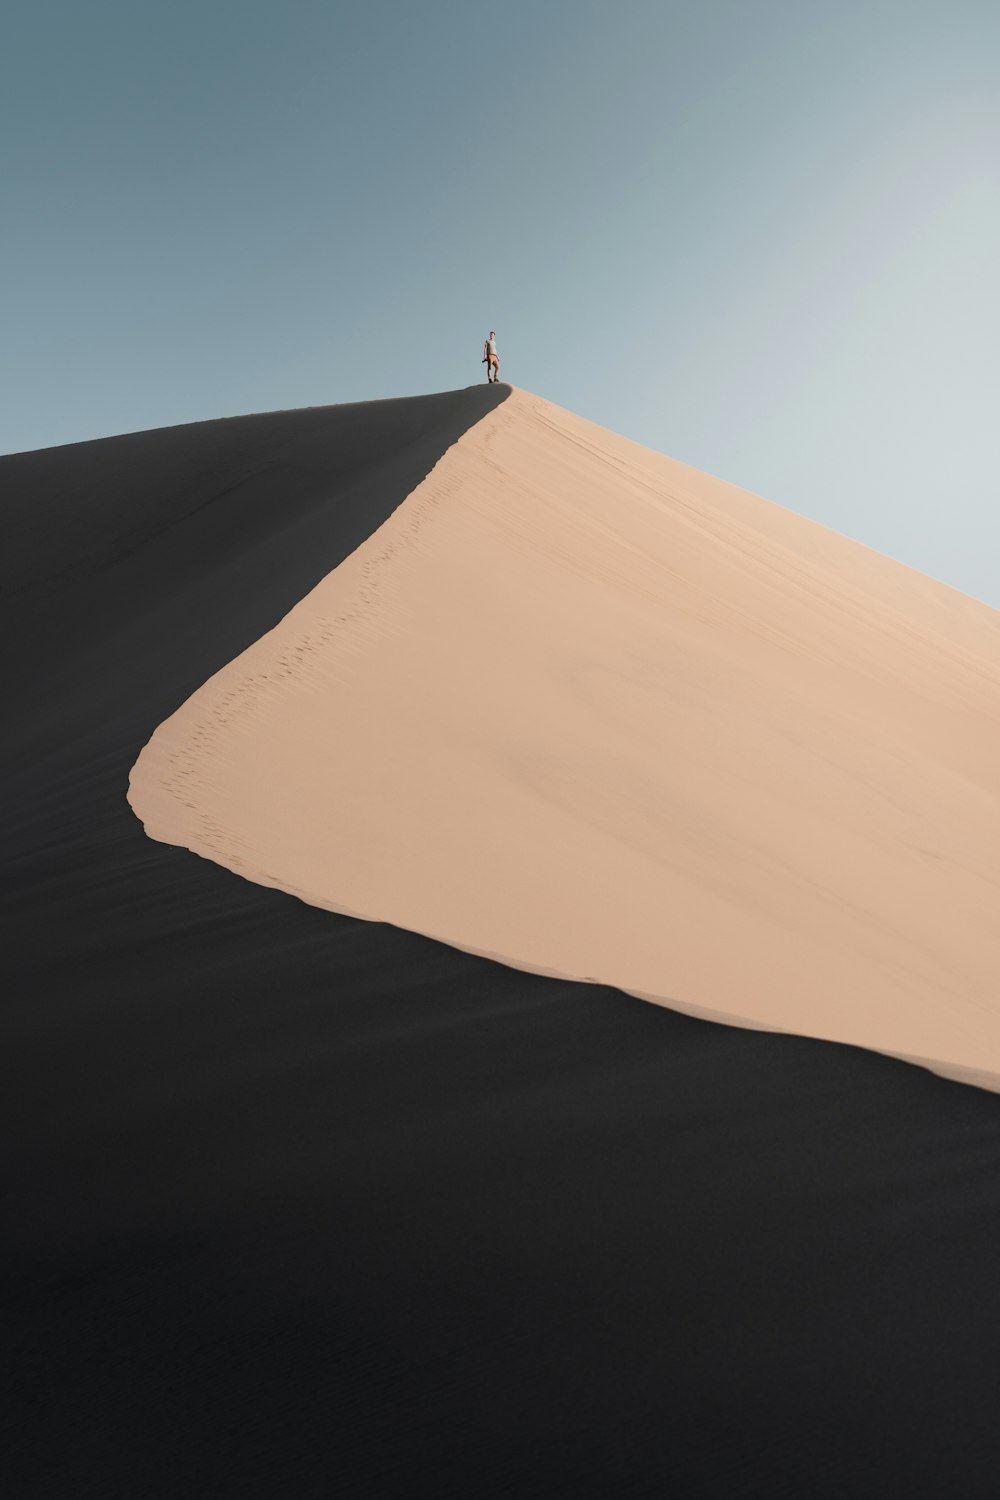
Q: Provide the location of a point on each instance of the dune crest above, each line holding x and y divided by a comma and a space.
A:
585, 710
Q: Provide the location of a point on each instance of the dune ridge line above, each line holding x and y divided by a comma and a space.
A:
579, 708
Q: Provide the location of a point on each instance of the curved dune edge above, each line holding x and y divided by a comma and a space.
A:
580, 709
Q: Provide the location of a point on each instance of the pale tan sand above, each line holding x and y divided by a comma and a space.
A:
591, 712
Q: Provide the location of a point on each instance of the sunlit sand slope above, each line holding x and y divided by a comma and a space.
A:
588, 711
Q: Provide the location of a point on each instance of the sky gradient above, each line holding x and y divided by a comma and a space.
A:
758, 235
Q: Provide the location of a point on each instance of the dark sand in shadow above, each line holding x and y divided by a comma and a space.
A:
297, 1205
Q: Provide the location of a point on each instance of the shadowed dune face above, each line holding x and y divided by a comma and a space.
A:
178, 547
297, 1205
580, 708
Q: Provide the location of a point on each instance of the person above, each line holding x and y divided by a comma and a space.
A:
491, 359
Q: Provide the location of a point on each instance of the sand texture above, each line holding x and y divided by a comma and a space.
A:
580, 708
300, 1205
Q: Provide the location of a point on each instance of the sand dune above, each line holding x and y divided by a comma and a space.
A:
583, 709
300, 1205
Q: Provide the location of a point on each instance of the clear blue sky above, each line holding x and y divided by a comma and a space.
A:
760, 235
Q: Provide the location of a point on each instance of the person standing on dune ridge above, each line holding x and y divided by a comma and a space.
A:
491, 359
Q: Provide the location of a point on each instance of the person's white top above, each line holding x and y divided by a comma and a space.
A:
491, 345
